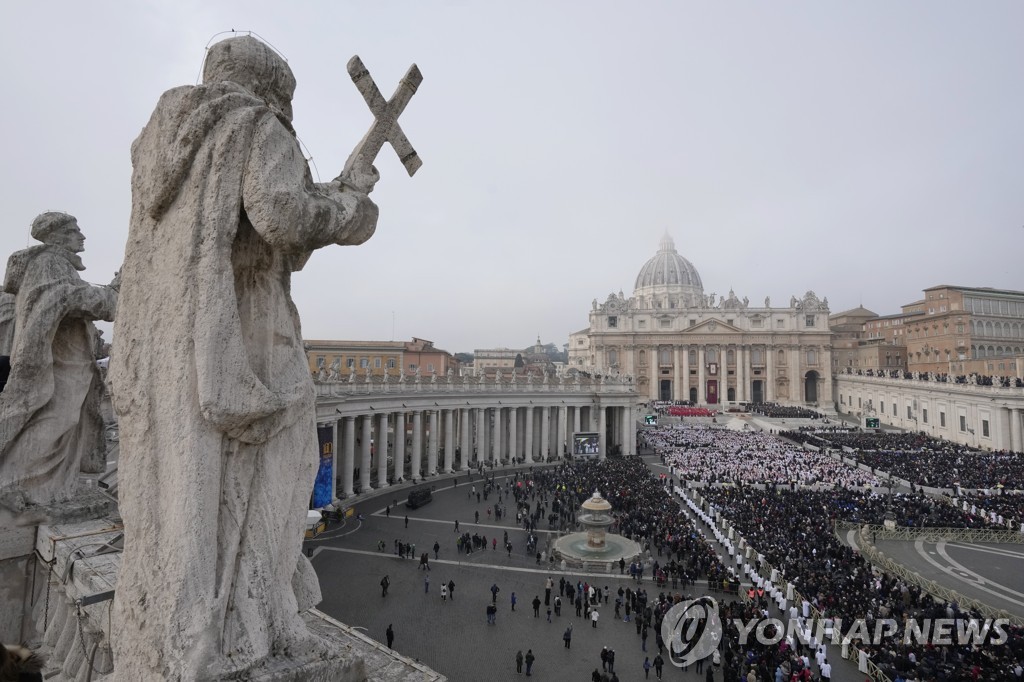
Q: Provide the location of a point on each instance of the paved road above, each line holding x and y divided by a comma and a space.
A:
453, 637
990, 573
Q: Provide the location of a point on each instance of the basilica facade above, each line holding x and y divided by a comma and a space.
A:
678, 343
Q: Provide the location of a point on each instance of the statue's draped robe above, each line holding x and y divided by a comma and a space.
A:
216, 404
48, 426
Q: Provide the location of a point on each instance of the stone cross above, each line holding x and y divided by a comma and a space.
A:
385, 126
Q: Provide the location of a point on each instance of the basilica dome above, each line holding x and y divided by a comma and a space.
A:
668, 273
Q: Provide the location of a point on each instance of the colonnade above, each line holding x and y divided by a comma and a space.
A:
373, 448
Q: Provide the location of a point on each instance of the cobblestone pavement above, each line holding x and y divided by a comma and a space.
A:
453, 637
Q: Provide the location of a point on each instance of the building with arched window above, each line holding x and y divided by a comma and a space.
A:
679, 343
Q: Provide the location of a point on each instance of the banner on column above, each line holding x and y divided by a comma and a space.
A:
324, 475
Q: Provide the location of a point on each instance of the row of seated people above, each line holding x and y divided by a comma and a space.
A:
1004, 509
686, 411
794, 531
776, 411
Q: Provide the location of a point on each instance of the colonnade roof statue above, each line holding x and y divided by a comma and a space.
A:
209, 375
50, 423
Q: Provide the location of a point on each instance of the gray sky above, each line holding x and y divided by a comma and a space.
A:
865, 150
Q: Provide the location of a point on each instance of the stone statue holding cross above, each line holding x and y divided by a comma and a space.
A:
209, 376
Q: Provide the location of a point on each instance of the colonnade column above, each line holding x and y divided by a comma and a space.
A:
576, 418
602, 429
449, 441
496, 449
627, 433
335, 442
382, 451
825, 396
481, 443
701, 397
1015, 431
364, 461
416, 461
563, 428
545, 432
399, 446
741, 374
528, 435
512, 426
769, 381
348, 464
466, 440
432, 444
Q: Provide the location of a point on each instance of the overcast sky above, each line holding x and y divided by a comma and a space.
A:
863, 150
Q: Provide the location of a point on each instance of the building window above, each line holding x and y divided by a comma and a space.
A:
881, 406
320, 360
643, 357
642, 324
894, 409
693, 357
984, 428
412, 367
613, 357
391, 363
581, 342
430, 367
693, 322
924, 415
711, 355
908, 412
350, 363
756, 323
376, 363
729, 322
756, 356
942, 419
666, 323
364, 363
812, 357
809, 321
963, 423
780, 324
613, 321
665, 356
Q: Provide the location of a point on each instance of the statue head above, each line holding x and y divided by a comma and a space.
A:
255, 66
58, 229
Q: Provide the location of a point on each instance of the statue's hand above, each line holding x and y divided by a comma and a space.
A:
115, 283
360, 178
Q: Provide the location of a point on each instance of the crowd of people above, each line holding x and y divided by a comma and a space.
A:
776, 411
1002, 509
794, 532
710, 455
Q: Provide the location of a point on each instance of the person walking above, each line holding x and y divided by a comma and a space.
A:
536, 606
530, 658
659, 662
390, 635
406, 520
444, 592
426, 584
567, 637
437, 548
647, 667
494, 593
519, 661
385, 583
451, 589
594, 615
611, 660
513, 601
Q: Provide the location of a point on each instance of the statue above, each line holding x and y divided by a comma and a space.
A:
209, 374
792, 301
321, 370
401, 376
335, 373
351, 374
746, 302
514, 379
767, 302
711, 300
50, 422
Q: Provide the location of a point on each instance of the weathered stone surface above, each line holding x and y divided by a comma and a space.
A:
209, 377
49, 411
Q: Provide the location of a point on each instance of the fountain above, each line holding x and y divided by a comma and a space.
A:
594, 549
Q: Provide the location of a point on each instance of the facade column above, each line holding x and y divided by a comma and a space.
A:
741, 374
563, 428
365, 461
825, 394
481, 443
496, 450
382, 450
432, 444
528, 444
576, 418
1015, 431
686, 373
417, 446
449, 441
655, 365
701, 397
348, 464
676, 388
769, 368
602, 430
796, 382
399, 446
466, 441
545, 432
335, 442
513, 427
